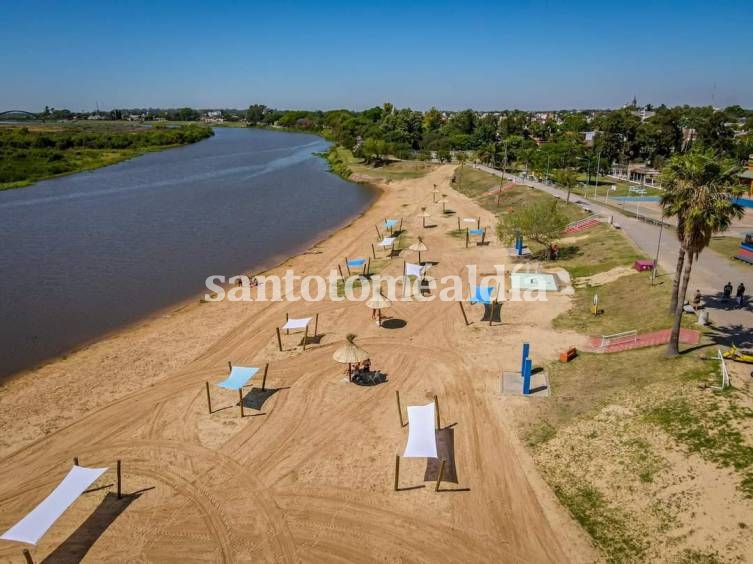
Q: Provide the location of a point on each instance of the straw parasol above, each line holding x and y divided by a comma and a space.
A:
434, 194
423, 215
419, 247
444, 201
378, 303
350, 353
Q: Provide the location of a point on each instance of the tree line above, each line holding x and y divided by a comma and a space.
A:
28, 154
537, 141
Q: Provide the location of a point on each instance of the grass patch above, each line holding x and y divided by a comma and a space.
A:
606, 524
726, 246
710, 430
601, 249
391, 170
593, 381
629, 303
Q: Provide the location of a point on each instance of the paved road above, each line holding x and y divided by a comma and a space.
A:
710, 272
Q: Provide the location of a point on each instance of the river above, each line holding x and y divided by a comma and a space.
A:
84, 254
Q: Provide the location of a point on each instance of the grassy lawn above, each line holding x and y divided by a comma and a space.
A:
605, 183
630, 302
393, 170
478, 184
602, 248
725, 245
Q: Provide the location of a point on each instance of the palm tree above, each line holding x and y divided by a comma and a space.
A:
698, 192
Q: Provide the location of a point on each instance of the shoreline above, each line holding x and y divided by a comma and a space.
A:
174, 308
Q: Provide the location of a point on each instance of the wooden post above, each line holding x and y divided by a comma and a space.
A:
423, 221
441, 474
240, 400
436, 409
75, 460
287, 318
340, 268
379, 235
399, 408
483, 236
120, 479
401, 224
465, 317
491, 314
373, 251
229, 366
209, 399
467, 237
368, 267
27, 556
279, 339
397, 471
316, 325
478, 222
347, 266
264, 378
458, 223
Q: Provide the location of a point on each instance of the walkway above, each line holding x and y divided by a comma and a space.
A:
710, 271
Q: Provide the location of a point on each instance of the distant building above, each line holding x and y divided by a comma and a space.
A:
636, 173
746, 176
212, 116
96, 116
136, 117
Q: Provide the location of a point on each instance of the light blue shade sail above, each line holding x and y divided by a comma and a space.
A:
239, 377
476, 231
482, 295
390, 222
357, 262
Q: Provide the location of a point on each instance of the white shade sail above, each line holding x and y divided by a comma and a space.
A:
296, 323
422, 440
31, 528
415, 269
387, 242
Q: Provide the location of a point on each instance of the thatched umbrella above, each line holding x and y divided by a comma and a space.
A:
350, 353
423, 215
378, 303
444, 201
419, 246
434, 194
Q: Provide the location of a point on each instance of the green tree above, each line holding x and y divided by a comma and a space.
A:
255, 113
540, 221
567, 178
698, 192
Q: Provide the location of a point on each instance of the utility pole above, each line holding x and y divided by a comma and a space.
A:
658, 246
598, 162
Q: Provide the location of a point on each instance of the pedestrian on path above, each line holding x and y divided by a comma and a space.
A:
740, 294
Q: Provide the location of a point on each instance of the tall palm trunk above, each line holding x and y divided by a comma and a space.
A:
676, 280
673, 348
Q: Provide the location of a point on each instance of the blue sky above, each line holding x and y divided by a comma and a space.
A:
323, 55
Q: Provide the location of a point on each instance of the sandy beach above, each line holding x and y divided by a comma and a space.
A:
309, 475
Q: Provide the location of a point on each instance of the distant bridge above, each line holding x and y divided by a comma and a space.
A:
17, 112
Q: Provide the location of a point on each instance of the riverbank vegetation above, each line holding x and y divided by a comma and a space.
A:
538, 142
31, 153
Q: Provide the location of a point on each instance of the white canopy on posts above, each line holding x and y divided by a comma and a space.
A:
387, 242
422, 439
415, 269
297, 323
36, 523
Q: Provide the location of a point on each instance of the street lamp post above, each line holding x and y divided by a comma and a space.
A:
658, 246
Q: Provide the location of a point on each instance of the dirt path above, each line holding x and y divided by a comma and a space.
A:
309, 476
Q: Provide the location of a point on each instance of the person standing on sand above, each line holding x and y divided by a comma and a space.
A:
740, 294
